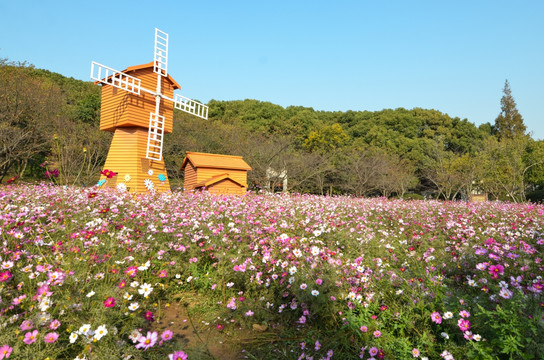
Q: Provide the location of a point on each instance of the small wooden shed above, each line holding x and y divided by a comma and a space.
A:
220, 174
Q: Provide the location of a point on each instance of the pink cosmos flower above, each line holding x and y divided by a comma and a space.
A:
415, 352
166, 335
26, 325
177, 355
464, 314
53, 325
18, 300
131, 271
463, 324
30, 337
317, 345
5, 351
319, 281
163, 274
377, 333
435, 317
51, 337
364, 328
110, 302
373, 351
148, 341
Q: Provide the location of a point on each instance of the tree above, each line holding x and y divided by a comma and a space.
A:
27, 106
509, 123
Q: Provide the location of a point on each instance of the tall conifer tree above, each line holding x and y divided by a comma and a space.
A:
509, 123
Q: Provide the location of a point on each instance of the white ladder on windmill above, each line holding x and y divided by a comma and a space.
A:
155, 134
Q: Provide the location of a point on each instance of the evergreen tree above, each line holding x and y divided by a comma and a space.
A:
509, 123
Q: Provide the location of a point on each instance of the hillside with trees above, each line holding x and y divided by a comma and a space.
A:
46, 117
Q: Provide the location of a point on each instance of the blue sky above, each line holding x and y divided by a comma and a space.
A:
344, 55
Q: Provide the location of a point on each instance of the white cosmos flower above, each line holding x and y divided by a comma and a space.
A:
292, 270
7, 265
73, 337
91, 293
314, 250
145, 289
315, 292
122, 187
134, 335
145, 266
100, 332
133, 306
134, 284
297, 253
84, 329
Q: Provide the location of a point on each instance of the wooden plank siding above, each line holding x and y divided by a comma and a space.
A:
127, 156
190, 179
204, 174
227, 186
120, 108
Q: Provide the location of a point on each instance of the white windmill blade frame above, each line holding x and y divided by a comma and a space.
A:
116, 78
190, 106
155, 137
160, 62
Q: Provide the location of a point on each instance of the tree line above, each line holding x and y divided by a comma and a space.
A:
46, 118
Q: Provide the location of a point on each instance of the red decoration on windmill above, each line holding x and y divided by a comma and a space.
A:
139, 118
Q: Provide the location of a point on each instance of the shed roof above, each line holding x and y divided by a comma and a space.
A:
146, 66
218, 178
215, 161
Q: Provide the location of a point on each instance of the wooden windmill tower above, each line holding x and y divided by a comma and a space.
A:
139, 118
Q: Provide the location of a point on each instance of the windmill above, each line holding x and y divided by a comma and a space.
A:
139, 118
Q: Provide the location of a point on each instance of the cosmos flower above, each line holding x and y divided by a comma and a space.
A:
177, 355
435, 317
148, 341
51, 337
30, 337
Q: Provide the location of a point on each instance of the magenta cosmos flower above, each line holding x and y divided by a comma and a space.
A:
30, 337
177, 355
5, 276
110, 302
146, 342
496, 270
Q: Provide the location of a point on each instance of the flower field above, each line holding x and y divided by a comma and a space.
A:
87, 274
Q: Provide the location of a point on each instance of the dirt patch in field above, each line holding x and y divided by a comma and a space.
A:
196, 334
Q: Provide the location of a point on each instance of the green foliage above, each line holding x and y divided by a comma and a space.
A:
314, 147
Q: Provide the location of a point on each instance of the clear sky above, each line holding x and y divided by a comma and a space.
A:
452, 56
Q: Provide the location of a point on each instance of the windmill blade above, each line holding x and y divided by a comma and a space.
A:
118, 79
155, 136
190, 106
161, 53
